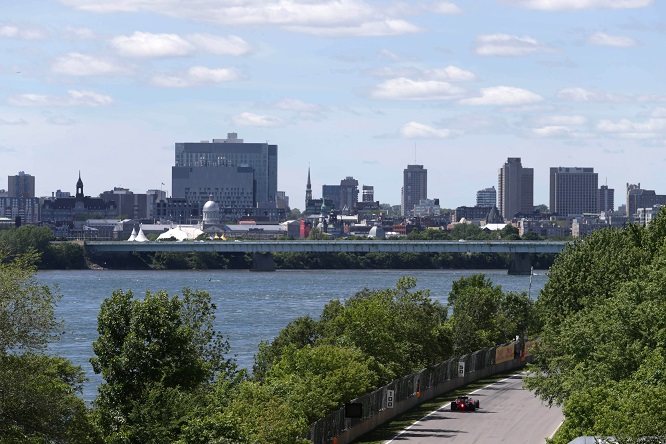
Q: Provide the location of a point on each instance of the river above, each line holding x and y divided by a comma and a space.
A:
251, 306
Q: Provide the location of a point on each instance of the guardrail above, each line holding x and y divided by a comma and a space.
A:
412, 390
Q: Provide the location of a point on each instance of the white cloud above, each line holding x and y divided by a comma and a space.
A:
552, 131
74, 98
572, 5
403, 88
503, 96
651, 126
296, 105
76, 64
80, 33
197, 76
13, 121
562, 120
451, 74
368, 29
446, 8
385, 53
602, 39
258, 120
416, 130
220, 45
326, 17
576, 94
508, 45
147, 45
14, 32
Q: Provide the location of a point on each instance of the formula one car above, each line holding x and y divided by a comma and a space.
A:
465, 403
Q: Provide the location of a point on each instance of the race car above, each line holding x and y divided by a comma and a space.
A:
465, 403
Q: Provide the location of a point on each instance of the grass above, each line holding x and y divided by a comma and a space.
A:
390, 429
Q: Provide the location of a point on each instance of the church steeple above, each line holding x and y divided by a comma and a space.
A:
308, 190
79, 188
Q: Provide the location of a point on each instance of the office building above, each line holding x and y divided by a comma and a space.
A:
486, 197
639, 198
21, 185
368, 193
515, 189
414, 188
229, 170
574, 191
134, 206
606, 199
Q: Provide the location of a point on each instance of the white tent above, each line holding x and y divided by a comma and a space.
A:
141, 237
181, 233
132, 237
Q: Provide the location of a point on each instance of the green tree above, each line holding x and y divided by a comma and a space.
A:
603, 346
25, 239
484, 316
403, 330
38, 393
154, 353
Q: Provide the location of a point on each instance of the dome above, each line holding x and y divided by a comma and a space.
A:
377, 232
211, 206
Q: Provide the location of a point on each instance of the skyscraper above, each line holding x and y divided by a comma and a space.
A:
573, 190
22, 185
231, 171
606, 199
515, 189
368, 193
486, 197
414, 188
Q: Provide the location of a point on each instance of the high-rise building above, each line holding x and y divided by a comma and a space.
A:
348, 195
639, 198
229, 170
368, 193
414, 188
573, 191
486, 197
515, 189
606, 199
22, 185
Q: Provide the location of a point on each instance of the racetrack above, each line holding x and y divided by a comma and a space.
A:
508, 414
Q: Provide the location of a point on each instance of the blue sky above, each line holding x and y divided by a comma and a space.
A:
348, 88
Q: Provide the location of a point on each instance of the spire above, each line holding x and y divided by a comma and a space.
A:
79, 188
308, 190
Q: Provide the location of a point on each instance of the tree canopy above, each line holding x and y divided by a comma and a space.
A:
603, 345
38, 393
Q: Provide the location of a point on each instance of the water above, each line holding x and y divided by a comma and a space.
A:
251, 306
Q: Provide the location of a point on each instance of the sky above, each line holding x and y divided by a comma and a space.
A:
357, 88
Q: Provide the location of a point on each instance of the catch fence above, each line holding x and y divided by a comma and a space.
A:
399, 396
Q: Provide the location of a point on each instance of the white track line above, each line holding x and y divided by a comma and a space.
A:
435, 411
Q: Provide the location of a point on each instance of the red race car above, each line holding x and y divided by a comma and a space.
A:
465, 403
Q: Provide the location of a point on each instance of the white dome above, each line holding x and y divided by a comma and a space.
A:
211, 206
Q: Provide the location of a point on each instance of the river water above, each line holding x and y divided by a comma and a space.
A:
251, 306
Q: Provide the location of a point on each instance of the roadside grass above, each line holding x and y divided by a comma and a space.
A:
390, 429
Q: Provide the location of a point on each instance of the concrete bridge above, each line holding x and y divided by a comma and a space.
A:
263, 260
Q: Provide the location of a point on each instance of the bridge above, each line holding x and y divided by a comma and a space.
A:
263, 260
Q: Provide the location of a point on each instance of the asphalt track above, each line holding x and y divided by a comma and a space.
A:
508, 414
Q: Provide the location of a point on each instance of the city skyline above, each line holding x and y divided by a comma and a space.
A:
346, 88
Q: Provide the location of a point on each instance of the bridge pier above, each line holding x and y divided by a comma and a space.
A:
520, 263
262, 262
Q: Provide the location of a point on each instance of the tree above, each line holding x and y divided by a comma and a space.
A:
26, 239
484, 316
403, 330
603, 347
38, 393
155, 352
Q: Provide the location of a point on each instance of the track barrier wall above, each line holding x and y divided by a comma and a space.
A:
412, 390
